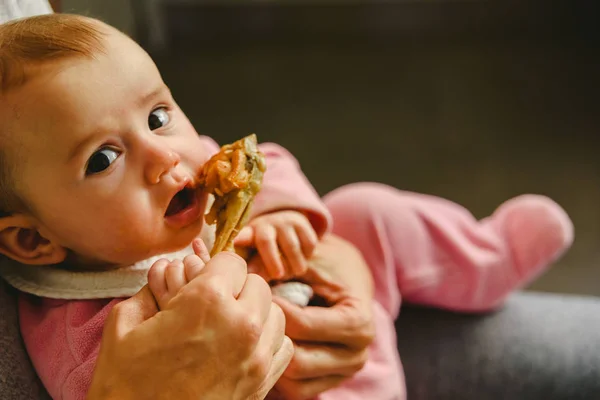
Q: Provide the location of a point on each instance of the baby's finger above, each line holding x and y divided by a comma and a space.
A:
266, 244
201, 250
156, 280
175, 276
192, 265
245, 237
290, 244
308, 237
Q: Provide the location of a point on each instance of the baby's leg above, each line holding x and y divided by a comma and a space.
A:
434, 252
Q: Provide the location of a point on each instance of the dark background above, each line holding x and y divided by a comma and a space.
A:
475, 101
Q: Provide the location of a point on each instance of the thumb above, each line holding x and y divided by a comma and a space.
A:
245, 238
129, 313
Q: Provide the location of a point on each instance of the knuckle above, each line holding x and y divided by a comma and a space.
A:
250, 328
259, 365
264, 236
295, 369
360, 361
209, 290
118, 309
362, 325
366, 335
259, 284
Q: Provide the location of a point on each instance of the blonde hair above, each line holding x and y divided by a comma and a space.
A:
37, 40
32, 42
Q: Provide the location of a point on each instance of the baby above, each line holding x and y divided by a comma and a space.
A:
97, 179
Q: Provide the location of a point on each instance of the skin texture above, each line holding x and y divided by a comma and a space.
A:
284, 240
331, 343
76, 109
66, 115
216, 296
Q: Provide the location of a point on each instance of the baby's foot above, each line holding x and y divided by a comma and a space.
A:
537, 230
166, 278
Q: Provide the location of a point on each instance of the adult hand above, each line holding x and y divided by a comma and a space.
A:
331, 342
220, 337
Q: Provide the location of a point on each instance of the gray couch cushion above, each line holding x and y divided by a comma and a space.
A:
540, 346
17, 378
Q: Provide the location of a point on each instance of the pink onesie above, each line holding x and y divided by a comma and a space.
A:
420, 248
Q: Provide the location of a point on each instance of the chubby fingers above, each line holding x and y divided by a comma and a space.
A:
266, 244
307, 235
297, 240
226, 271
292, 249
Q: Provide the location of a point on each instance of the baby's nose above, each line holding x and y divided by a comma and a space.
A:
159, 163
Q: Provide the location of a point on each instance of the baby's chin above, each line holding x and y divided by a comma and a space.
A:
75, 261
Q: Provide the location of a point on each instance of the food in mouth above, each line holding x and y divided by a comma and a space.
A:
184, 199
234, 176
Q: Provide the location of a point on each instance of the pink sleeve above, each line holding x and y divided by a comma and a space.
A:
285, 187
63, 339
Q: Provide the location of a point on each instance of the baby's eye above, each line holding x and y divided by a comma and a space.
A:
101, 160
158, 118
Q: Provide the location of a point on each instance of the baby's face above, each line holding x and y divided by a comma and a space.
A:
103, 151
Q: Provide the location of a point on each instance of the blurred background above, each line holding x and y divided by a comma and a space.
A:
475, 101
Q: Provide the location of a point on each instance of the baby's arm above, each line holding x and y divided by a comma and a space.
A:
287, 218
285, 240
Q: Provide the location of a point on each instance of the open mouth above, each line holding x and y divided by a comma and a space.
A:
183, 200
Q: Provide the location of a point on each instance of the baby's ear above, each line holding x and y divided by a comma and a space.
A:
21, 240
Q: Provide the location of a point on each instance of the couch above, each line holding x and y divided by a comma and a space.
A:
538, 346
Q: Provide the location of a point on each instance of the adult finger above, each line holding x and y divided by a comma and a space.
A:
343, 323
273, 332
226, 269
273, 350
131, 312
279, 363
307, 389
318, 360
290, 245
201, 250
266, 244
308, 237
255, 299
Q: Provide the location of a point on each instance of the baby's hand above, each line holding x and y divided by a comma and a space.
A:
284, 240
166, 278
